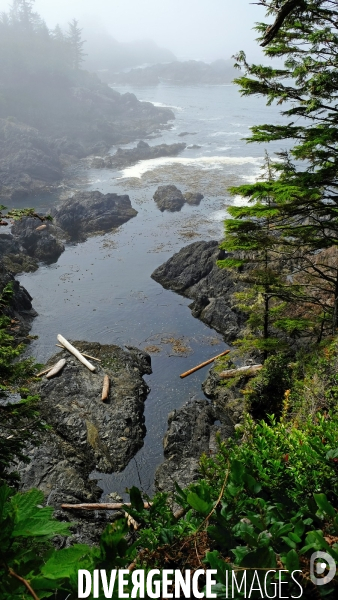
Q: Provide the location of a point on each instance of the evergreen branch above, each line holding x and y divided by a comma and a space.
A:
283, 13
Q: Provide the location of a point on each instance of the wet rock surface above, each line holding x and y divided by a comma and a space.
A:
86, 433
19, 307
193, 272
143, 151
39, 240
87, 213
191, 432
169, 197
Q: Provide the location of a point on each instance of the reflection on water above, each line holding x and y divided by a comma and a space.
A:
101, 290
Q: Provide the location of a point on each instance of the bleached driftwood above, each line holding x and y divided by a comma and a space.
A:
57, 368
41, 227
105, 389
100, 506
44, 372
83, 353
248, 371
207, 362
76, 353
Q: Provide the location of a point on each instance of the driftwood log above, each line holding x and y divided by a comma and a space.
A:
105, 389
207, 362
249, 371
44, 372
100, 506
75, 352
56, 369
83, 353
115, 506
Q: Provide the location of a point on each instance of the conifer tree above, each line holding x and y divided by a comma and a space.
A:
76, 44
303, 209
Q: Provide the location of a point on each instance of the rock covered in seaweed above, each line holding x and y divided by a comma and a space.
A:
169, 197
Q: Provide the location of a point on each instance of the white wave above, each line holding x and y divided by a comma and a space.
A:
218, 133
202, 162
222, 148
240, 125
218, 215
162, 105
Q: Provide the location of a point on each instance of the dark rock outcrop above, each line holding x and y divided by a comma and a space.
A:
191, 432
86, 433
87, 213
28, 161
127, 157
71, 120
193, 198
41, 244
19, 307
193, 272
169, 197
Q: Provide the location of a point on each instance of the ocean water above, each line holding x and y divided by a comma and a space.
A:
101, 290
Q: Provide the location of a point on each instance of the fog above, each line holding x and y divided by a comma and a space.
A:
200, 29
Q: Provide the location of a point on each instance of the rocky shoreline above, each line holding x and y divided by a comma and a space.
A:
33, 159
74, 219
130, 156
190, 72
192, 272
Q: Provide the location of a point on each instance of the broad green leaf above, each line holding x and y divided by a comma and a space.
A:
222, 567
65, 562
198, 504
136, 499
292, 561
324, 505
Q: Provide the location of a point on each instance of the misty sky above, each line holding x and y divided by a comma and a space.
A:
204, 29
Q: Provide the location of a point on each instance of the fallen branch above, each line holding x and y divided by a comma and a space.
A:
207, 362
105, 389
83, 353
24, 582
76, 353
44, 372
56, 369
243, 371
100, 506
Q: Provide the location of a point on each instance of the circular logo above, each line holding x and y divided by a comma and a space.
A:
319, 564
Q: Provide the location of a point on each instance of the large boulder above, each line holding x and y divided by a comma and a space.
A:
193, 272
169, 197
87, 213
193, 198
38, 239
